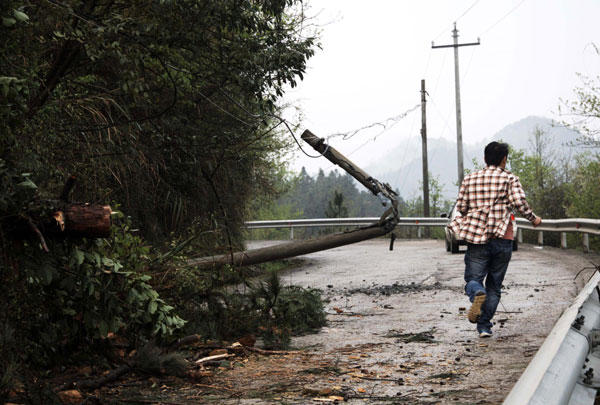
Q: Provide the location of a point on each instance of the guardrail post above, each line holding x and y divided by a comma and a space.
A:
586, 243
520, 235
563, 240
291, 233
419, 232
540, 238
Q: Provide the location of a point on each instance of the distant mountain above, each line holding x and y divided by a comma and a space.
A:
401, 166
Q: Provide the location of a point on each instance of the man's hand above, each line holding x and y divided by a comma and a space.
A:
537, 221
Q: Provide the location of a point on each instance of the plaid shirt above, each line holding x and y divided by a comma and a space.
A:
485, 201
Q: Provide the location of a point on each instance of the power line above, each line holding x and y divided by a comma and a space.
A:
468, 66
446, 120
407, 146
502, 18
469, 9
394, 120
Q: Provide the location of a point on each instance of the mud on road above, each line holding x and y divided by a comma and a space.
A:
397, 329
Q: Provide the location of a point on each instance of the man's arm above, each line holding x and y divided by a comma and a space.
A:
462, 202
516, 197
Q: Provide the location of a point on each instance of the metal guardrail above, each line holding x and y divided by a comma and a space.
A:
562, 371
299, 223
585, 226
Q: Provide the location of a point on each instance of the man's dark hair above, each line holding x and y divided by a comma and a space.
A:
495, 152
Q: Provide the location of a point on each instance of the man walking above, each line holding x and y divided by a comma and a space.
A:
486, 201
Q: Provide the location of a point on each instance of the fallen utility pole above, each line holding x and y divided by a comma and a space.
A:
382, 190
385, 225
297, 248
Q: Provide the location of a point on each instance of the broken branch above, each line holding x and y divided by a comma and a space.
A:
38, 233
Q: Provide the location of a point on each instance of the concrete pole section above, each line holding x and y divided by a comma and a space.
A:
459, 145
426, 212
293, 249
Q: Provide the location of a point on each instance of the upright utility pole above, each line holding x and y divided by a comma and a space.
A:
459, 146
424, 146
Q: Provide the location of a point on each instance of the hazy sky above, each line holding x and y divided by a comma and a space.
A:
375, 54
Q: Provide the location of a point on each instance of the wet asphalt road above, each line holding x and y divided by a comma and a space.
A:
401, 315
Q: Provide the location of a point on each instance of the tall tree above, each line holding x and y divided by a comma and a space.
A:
336, 207
169, 107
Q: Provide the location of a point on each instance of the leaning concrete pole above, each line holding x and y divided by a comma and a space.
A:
386, 224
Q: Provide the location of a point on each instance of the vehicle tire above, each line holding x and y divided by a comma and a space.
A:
447, 245
515, 245
454, 246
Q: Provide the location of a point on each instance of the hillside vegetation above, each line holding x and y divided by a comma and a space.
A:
168, 111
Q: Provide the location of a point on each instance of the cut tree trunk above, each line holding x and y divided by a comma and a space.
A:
74, 220
86, 220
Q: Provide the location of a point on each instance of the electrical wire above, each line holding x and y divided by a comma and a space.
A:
446, 120
468, 66
437, 82
410, 137
469, 9
502, 18
395, 120
298, 142
349, 134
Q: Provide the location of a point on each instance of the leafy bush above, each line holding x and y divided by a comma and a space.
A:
265, 308
81, 289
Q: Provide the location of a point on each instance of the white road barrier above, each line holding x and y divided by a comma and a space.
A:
566, 369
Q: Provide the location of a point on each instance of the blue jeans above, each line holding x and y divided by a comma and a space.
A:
488, 261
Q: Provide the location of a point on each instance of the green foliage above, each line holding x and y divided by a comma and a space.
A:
304, 196
557, 188
150, 359
91, 288
169, 107
336, 207
286, 310
266, 208
269, 309
9, 361
584, 189
313, 194
438, 205
584, 111
81, 290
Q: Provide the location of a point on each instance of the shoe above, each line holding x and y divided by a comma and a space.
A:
485, 333
475, 309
